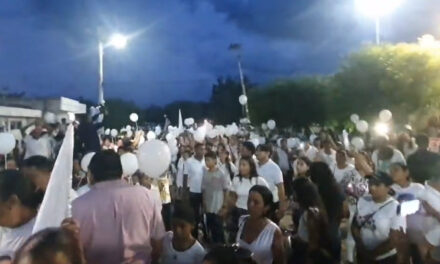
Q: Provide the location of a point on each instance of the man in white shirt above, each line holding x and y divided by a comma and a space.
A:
281, 156
327, 154
38, 143
196, 167
270, 171
385, 155
310, 151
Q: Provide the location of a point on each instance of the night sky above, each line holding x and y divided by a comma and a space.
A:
179, 48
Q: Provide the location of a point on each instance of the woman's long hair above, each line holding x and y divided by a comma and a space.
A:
252, 165
330, 192
227, 161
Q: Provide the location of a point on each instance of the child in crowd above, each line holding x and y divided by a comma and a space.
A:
214, 186
179, 246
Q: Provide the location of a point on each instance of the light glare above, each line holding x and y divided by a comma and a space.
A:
381, 128
377, 8
118, 41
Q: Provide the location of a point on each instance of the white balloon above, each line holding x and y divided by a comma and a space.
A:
7, 143
385, 115
362, 126
243, 99
50, 118
128, 127
134, 117
158, 130
199, 135
221, 130
292, 142
151, 135
212, 133
107, 131
114, 132
129, 133
129, 164
172, 142
169, 137
174, 150
271, 124
189, 121
354, 118
262, 140
85, 162
154, 158
255, 141
358, 143
264, 126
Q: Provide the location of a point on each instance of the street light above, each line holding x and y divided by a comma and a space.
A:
236, 48
117, 41
377, 9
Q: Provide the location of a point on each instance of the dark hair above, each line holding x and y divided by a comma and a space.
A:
306, 160
252, 165
330, 192
44, 246
183, 212
229, 255
39, 163
106, 165
249, 146
13, 182
126, 145
422, 141
265, 148
211, 155
198, 145
307, 194
266, 194
106, 137
400, 165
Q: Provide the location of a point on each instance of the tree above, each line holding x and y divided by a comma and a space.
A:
297, 103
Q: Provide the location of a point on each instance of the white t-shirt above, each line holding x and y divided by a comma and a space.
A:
377, 228
311, 153
431, 226
38, 147
195, 174
182, 169
384, 165
273, 176
241, 188
414, 189
283, 159
330, 159
340, 174
11, 239
193, 255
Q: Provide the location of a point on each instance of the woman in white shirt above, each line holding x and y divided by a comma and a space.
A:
257, 232
239, 192
19, 201
377, 227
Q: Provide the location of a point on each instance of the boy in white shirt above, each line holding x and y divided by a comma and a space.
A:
179, 246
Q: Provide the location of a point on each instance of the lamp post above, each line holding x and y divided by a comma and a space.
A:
117, 41
377, 9
236, 48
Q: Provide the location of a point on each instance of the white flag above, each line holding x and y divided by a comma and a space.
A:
56, 203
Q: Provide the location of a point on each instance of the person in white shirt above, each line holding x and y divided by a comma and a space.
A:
429, 247
310, 151
225, 164
385, 155
196, 168
342, 169
270, 171
38, 143
402, 182
178, 245
327, 154
19, 201
281, 156
377, 225
239, 192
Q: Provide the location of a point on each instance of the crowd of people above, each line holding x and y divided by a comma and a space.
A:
227, 200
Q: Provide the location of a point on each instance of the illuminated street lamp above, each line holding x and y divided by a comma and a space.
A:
377, 9
117, 41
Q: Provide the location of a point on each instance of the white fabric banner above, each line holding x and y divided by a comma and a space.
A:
56, 206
